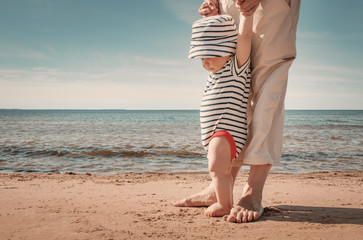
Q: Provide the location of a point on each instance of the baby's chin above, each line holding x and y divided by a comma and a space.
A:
212, 70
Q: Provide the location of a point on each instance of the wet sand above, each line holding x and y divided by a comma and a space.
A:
138, 206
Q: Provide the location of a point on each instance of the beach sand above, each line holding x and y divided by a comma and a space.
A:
138, 206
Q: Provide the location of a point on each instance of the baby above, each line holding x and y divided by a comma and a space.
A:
224, 52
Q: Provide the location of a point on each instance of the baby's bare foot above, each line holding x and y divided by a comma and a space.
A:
217, 210
204, 198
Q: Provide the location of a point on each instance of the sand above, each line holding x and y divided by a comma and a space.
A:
138, 206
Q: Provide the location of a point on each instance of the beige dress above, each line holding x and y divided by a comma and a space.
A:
274, 28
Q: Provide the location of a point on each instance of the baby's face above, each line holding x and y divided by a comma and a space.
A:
214, 64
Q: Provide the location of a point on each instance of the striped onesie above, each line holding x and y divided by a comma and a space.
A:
224, 103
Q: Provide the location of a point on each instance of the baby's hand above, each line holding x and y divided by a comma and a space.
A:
209, 8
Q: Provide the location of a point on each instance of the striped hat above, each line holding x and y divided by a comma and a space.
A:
214, 36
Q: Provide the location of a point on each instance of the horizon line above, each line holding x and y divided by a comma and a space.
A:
124, 109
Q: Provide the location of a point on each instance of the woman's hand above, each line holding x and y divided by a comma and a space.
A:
247, 7
209, 8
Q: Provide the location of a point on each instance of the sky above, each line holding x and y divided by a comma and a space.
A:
113, 54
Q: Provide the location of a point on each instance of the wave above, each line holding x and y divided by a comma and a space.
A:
319, 155
323, 126
110, 153
92, 152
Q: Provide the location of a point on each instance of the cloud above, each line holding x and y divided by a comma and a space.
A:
322, 86
163, 62
133, 69
343, 74
11, 51
312, 35
138, 83
98, 95
186, 10
40, 76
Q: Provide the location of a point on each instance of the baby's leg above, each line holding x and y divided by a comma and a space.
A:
219, 159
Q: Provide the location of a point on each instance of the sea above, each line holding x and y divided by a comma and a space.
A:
163, 141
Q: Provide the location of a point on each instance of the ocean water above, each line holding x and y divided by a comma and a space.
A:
119, 141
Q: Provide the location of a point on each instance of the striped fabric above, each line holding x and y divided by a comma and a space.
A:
214, 36
224, 103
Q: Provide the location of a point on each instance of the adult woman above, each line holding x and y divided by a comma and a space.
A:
273, 50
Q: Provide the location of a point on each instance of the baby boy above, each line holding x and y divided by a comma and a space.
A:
224, 52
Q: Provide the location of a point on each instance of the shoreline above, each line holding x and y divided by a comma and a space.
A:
242, 171
319, 205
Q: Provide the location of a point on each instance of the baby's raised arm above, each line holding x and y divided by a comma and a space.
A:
244, 39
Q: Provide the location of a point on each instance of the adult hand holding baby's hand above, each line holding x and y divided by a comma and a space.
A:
247, 7
209, 8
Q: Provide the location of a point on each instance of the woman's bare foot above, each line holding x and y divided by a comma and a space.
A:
205, 198
248, 209
217, 210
